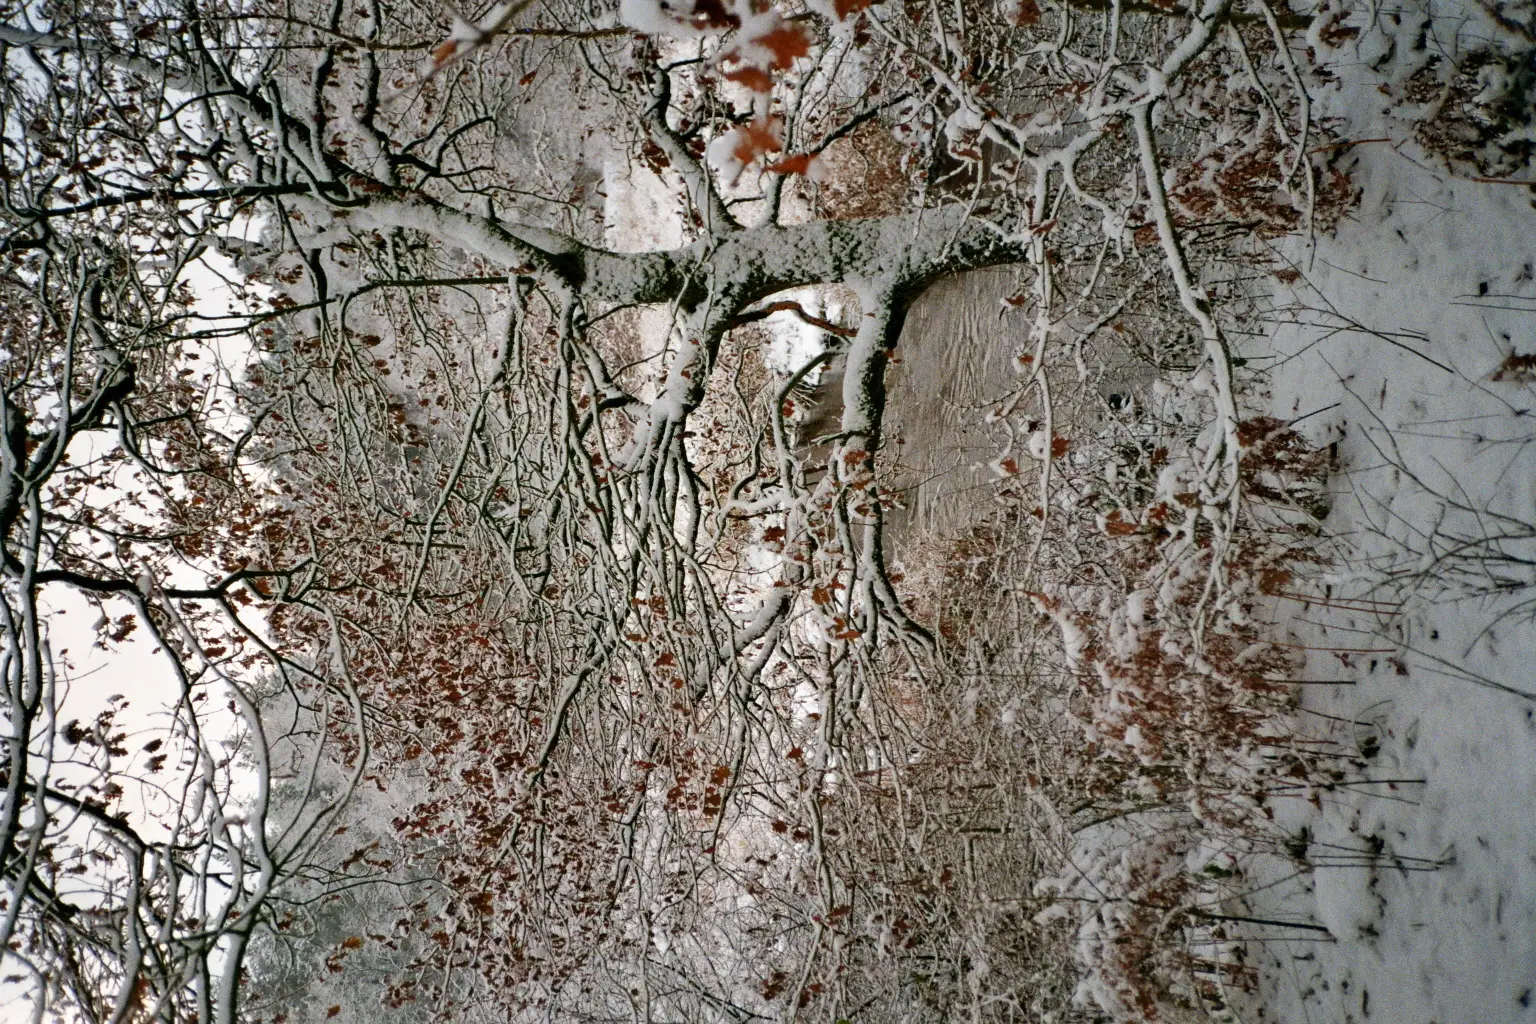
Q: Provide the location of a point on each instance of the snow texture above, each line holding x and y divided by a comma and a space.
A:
1428, 887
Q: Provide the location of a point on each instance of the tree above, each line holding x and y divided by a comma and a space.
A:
135, 871
564, 578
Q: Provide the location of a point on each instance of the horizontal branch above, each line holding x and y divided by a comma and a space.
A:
118, 585
752, 316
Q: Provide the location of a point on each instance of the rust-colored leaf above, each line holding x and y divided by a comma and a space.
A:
753, 77
800, 163
757, 138
786, 42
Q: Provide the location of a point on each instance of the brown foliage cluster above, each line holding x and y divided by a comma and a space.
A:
1517, 366
865, 175
1470, 111
1243, 177
1173, 699
1184, 701
1159, 700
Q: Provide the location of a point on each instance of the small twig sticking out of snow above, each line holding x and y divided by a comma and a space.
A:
1346, 144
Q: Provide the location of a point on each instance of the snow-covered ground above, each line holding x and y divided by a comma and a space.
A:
1427, 884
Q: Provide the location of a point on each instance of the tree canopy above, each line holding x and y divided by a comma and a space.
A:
523, 655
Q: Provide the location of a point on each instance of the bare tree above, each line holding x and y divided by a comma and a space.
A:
135, 845
663, 737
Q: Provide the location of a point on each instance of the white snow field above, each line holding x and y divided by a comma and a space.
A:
1392, 343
